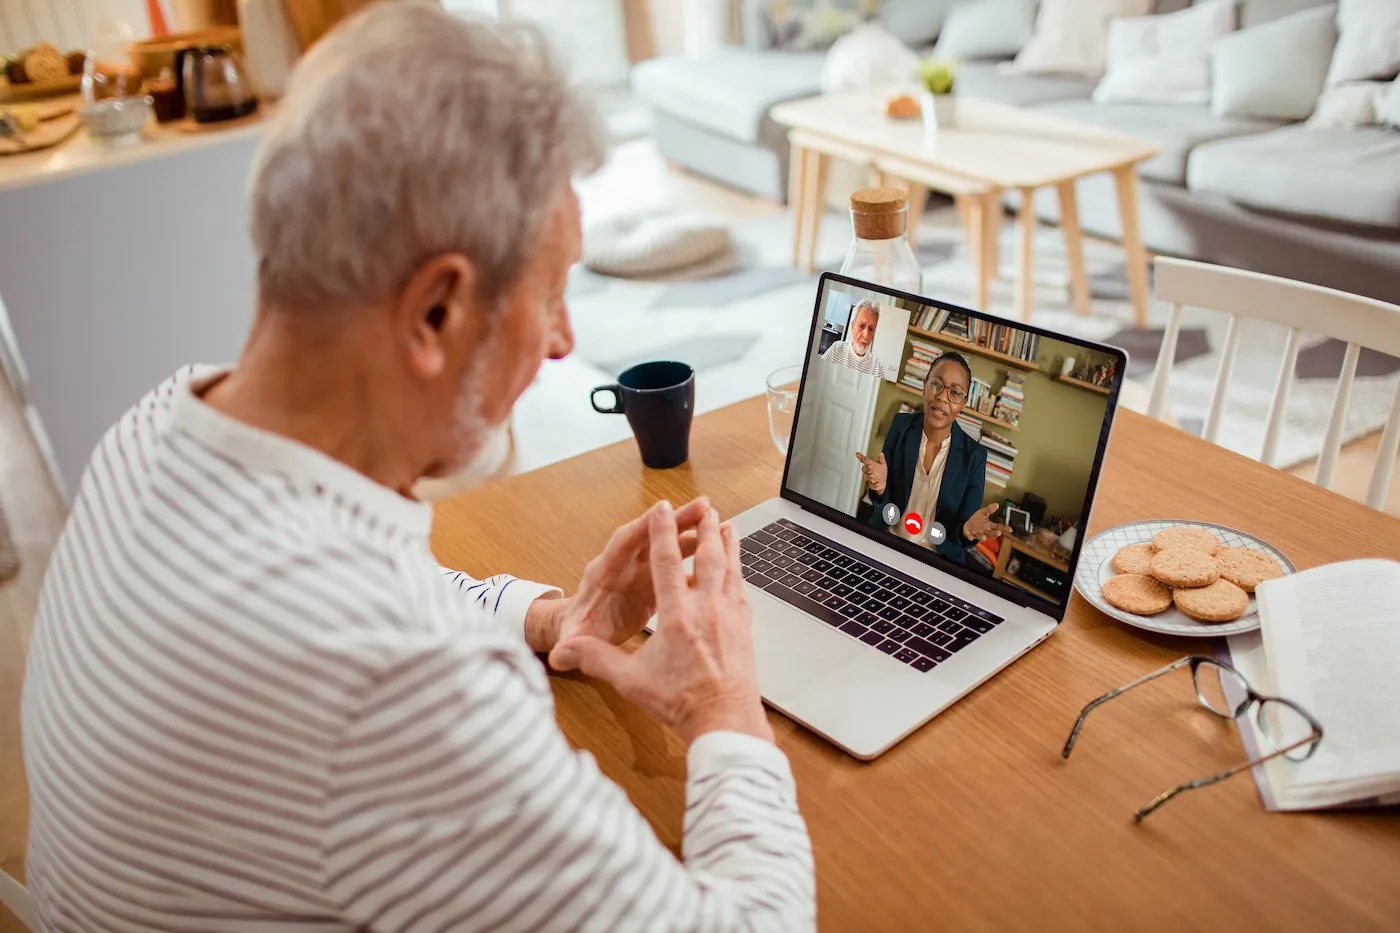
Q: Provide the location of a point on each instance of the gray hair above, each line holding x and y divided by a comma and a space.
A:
869, 307
407, 132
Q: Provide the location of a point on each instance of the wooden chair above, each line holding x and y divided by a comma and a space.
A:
16, 898
1300, 307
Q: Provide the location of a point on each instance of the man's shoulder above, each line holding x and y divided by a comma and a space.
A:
904, 420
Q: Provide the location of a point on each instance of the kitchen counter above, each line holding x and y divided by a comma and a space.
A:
118, 266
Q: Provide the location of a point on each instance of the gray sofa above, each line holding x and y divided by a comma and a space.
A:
1316, 205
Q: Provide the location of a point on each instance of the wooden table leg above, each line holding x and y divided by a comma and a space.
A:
918, 200
815, 176
1025, 275
1135, 254
797, 203
995, 212
977, 247
1074, 246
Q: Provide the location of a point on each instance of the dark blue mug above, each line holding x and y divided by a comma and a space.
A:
659, 402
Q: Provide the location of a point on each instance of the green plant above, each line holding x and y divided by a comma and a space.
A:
938, 76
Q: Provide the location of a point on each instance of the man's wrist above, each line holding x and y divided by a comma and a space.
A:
542, 620
744, 715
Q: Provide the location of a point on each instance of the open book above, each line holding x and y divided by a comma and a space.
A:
1329, 640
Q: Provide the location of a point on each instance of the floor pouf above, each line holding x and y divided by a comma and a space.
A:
653, 244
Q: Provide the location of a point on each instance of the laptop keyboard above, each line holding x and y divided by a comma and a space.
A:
912, 622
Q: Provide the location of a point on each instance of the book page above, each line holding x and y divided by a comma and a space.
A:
1332, 639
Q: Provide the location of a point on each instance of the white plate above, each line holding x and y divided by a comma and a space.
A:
1095, 566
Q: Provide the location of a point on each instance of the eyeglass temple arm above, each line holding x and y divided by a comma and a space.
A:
1079, 723
1216, 778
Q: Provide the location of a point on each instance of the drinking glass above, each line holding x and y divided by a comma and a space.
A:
782, 402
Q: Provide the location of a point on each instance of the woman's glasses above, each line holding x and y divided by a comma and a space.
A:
1289, 729
955, 393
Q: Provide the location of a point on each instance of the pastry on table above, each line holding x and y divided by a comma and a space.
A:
1186, 536
902, 107
1184, 566
1137, 593
1246, 567
1221, 601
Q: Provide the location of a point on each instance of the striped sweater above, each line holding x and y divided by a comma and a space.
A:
254, 701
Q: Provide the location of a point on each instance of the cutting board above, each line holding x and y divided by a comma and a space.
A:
48, 133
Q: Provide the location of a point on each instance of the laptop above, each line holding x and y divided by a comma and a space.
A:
870, 618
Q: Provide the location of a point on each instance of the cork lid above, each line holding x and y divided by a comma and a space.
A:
879, 200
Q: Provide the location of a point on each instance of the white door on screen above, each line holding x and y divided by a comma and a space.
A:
837, 411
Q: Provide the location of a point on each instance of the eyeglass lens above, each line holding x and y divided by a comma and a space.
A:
1212, 683
954, 392
1283, 725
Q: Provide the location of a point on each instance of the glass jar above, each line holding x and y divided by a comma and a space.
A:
880, 252
108, 73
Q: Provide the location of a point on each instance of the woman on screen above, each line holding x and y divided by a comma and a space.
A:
931, 467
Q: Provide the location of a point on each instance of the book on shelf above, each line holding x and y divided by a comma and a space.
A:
1329, 640
913, 382
970, 425
992, 443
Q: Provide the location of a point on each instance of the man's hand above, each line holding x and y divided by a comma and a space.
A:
614, 598
875, 472
980, 526
697, 672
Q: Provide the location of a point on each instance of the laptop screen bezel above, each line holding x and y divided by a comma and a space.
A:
923, 555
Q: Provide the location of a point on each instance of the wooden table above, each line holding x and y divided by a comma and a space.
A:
990, 149
975, 822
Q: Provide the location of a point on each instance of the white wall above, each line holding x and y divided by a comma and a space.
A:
66, 23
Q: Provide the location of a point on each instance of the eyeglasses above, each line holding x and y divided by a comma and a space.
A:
955, 393
1290, 730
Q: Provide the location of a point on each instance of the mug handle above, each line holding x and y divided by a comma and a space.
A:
616, 390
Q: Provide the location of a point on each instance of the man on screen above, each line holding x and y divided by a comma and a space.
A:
855, 350
930, 466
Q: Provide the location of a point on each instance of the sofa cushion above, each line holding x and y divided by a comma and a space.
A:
729, 91
994, 81
1176, 128
1352, 176
1256, 12
986, 29
916, 23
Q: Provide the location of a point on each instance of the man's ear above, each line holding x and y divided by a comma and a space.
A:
437, 311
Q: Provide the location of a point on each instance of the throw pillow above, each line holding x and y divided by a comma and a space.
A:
1071, 36
986, 29
1390, 106
866, 57
1164, 59
1349, 105
1368, 41
1274, 71
914, 22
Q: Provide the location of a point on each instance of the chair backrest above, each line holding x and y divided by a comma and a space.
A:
1359, 322
16, 898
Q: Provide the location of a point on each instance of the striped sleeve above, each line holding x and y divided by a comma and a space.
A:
499, 601
456, 801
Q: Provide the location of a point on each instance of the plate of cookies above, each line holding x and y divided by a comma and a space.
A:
1178, 577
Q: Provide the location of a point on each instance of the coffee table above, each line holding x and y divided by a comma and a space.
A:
992, 148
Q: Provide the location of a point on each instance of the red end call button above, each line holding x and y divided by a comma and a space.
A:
913, 523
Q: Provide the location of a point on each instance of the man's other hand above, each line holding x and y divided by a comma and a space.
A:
615, 596
696, 673
875, 471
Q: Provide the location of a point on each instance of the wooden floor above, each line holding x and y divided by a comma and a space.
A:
635, 178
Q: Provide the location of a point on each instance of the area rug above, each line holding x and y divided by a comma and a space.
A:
736, 328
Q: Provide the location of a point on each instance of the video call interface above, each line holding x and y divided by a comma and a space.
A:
961, 434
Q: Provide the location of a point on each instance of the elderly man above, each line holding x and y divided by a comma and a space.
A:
855, 351
254, 701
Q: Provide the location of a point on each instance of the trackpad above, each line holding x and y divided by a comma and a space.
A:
793, 651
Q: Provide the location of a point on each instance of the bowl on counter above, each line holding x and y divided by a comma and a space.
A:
117, 121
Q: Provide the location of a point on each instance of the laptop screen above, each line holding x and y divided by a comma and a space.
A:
968, 441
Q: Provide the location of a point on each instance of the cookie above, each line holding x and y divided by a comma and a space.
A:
1135, 558
1186, 536
1184, 566
1136, 593
1246, 567
1222, 601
